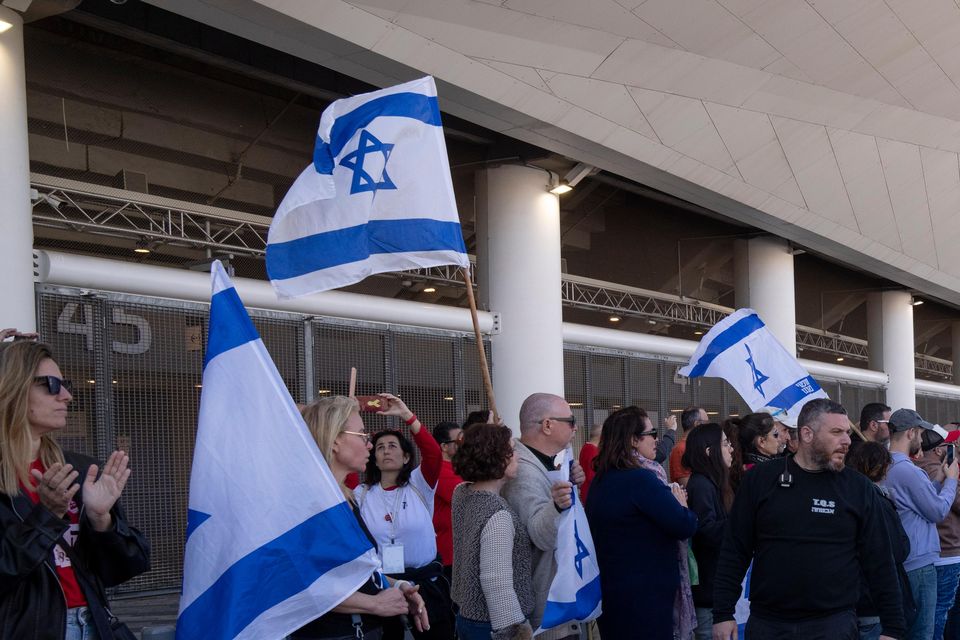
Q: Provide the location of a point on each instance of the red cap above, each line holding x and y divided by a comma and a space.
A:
953, 436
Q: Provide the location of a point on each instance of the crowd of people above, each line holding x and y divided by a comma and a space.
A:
824, 532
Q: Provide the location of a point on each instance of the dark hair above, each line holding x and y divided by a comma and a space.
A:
441, 432
813, 411
748, 429
689, 418
730, 426
870, 412
871, 459
704, 455
372, 474
484, 452
476, 417
930, 439
619, 429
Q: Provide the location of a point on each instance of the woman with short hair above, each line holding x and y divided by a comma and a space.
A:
492, 553
336, 427
63, 535
639, 524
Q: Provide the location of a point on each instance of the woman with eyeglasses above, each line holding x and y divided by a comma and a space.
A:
396, 500
708, 455
639, 524
65, 537
336, 427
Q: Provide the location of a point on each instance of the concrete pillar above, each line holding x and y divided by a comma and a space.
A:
891, 348
16, 240
518, 253
955, 339
763, 269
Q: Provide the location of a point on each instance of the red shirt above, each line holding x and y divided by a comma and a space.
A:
442, 518
677, 470
68, 579
587, 454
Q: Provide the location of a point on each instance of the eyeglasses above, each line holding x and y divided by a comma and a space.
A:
54, 384
882, 421
652, 433
364, 436
450, 442
571, 420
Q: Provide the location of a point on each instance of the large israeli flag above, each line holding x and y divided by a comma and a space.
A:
378, 196
271, 542
741, 350
574, 594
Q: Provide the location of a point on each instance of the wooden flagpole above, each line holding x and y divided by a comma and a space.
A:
484, 369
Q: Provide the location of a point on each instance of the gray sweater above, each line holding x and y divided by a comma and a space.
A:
491, 559
529, 495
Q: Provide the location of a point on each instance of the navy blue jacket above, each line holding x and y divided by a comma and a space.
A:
636, 524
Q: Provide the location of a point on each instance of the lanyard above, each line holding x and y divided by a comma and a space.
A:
392, 516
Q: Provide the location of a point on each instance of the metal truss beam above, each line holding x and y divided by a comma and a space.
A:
79, 206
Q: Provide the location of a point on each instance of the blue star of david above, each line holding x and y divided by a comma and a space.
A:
582, 552
758, 377
363, 181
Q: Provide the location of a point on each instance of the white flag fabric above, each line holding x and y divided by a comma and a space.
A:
271, 542
741, 350
378, 196
574, 594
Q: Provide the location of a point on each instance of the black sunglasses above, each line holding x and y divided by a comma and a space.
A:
652, 433
571, 420
54, 384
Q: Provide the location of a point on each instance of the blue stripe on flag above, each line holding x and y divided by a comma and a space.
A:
352, 244
724, 340
233, 325
417, 106
272, 573
794, 393
557, 613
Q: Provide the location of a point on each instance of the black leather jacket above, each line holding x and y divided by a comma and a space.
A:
32, 604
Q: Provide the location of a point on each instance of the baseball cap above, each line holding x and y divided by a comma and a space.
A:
903, 419
952, 436
932, 438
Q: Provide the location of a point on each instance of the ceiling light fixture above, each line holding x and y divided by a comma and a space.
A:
323, 392
698, 333
430, 290
448, 398
566, 184
839, 358
614, 318
142, 246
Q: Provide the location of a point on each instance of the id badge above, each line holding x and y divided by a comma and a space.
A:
393, 558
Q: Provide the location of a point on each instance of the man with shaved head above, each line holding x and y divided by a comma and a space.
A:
547, 426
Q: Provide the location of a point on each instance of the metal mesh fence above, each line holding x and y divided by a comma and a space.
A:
137, 367
137, 364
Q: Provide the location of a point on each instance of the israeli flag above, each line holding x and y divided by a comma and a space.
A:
574, 594
378, 196
271, 542
741, 350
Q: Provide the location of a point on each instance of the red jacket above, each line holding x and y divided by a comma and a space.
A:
587, 453
441, 511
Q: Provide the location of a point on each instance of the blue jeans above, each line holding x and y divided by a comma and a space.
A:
923, 585
869, 630
80, 625
472, 629
947, 577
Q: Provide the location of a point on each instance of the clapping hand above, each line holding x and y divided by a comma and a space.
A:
100, 494
56, 487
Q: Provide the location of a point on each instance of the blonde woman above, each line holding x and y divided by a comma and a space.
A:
64, 535
338, 431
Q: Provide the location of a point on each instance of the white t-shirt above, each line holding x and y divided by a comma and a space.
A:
401, 516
